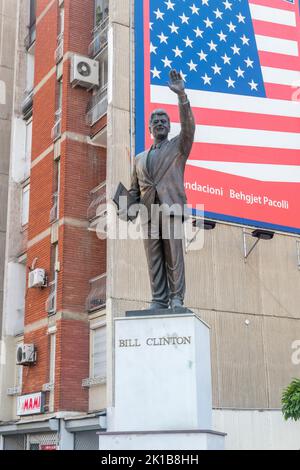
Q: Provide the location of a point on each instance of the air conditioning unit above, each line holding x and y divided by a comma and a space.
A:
37, 278
26, 354
84, 71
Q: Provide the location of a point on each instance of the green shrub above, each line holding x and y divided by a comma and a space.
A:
291, 401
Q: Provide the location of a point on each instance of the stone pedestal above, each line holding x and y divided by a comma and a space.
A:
172, 440
162, 384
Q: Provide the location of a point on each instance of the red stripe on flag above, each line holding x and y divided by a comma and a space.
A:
269, 59
219, 117
244, 154
281, 92
281, 4
274, 30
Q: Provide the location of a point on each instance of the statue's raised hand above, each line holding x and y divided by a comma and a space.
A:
176, 82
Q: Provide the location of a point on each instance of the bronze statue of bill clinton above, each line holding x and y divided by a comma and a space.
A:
158, 181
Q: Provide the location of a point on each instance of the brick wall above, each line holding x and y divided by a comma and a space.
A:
81, 255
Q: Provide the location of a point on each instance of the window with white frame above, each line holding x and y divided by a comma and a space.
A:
61, 21
25, 205
98, 351
29, 72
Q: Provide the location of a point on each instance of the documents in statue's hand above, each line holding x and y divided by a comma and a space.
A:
124, 200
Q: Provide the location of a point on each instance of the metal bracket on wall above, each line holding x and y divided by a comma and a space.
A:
259, 235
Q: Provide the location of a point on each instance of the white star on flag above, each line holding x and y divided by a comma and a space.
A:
167, 62
156, 73
227, 5
188, 42
174, 28
218, 13
241, 18
230, 82
183, 75
206, 79
184, 19
222, 36
208, 23
253, 85
245, 40
212, 46
231, 26
177, 52
202, 55
216, 69
240, 72
226, 59
195, 10
236, 50
198, 32
163, 38
249, 62
205, 2
170, 5
192, 66
152, 48
159, 14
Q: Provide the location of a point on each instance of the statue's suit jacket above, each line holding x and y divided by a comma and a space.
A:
167, 181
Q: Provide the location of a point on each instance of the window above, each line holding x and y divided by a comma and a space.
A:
98, 347
103, 73
101, 11
32, 12
61, 21
54, 213
29, 72
59, 95
25, 205
53, 278
56, 131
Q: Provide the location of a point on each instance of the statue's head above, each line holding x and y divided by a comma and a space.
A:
159, 124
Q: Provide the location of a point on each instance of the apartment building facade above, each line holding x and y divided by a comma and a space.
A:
72, 143
57, 178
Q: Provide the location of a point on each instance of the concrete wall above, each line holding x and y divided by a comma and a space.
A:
257, 430
13, 60
252, 308
8, 12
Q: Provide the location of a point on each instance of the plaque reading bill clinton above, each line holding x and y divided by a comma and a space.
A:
157, 184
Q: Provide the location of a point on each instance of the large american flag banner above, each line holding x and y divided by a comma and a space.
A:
240, 63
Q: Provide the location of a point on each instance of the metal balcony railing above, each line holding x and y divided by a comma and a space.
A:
97, 106
27, 103
59, 53
97, 201
54, 210
100, 35
51, 301
31, 36
97, 296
